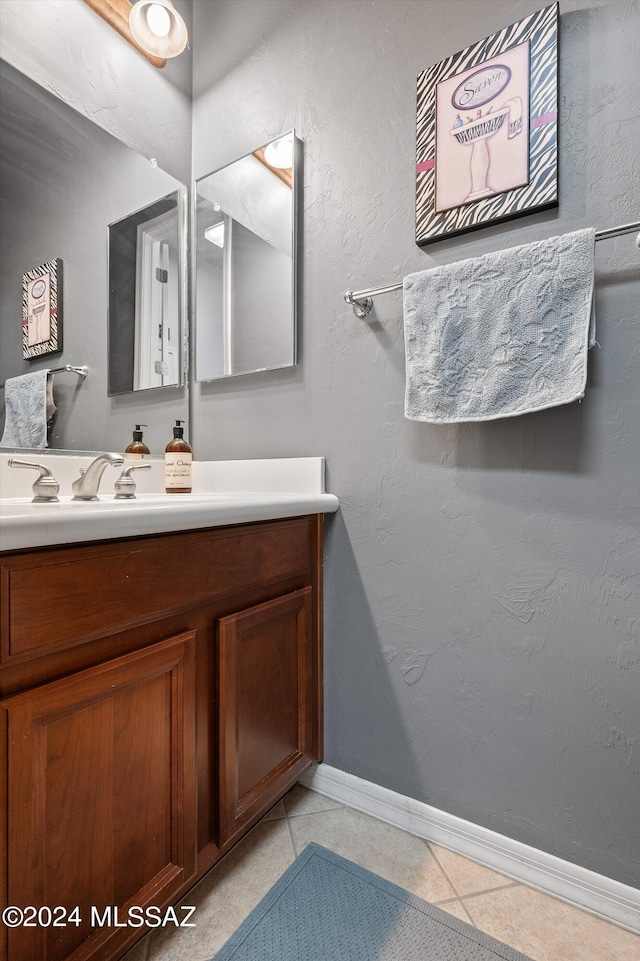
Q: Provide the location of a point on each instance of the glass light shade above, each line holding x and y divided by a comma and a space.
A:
158, 27
159, 20
280, 153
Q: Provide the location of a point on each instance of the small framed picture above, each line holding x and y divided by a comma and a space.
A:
42, 310
487, 130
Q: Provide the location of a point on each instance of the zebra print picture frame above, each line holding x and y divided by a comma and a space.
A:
42, 310
487, 130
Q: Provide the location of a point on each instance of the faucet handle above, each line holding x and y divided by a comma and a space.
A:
45, 487
125, 486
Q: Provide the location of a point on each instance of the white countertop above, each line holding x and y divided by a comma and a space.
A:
225, 492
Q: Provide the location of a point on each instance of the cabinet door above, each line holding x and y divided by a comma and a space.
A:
101, 796
266, 685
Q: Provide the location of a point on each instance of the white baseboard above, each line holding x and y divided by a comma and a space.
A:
585, 889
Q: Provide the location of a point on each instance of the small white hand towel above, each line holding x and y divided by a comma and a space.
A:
28, 406
500, 335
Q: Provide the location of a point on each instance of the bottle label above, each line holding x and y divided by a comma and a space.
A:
177, 468
133, 455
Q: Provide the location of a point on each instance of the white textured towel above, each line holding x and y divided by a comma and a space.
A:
28, 407
500, 335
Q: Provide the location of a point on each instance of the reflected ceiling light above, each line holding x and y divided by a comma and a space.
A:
153, 27
158, 27
280, 153
215, 234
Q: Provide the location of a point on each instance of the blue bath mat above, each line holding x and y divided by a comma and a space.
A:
325, 908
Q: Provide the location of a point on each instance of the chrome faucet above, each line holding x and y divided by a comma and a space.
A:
85, 488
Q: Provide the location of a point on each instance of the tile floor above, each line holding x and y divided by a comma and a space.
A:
538, 925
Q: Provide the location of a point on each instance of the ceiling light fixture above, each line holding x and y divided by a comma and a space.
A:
158, 28
279, 153
153, 27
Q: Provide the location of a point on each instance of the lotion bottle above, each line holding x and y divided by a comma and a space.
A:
177, 463
137, 449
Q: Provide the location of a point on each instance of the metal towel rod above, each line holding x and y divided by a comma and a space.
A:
362, 300
80, 371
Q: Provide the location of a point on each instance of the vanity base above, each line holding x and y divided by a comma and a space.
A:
159, 695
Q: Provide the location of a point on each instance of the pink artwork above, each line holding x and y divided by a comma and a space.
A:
482, 130
39, 310
42, 310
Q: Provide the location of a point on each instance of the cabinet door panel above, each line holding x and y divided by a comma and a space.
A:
266, 699
101, 799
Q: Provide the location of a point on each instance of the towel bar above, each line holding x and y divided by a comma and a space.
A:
80, 371
362, 300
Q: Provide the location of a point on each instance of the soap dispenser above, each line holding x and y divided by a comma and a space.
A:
177, 463
137, 449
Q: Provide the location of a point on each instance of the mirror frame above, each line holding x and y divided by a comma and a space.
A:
296, 235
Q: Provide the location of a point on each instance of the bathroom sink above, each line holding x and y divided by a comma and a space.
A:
268, 490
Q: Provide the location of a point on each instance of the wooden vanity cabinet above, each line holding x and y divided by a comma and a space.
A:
159, 694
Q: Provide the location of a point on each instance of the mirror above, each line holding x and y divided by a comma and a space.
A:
146, 274
63, 180
246, 243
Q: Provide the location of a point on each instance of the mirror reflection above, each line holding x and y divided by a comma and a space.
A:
63, 180
145, 268
245, 246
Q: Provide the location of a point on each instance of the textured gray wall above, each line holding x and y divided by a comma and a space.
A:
66, 48
482, 580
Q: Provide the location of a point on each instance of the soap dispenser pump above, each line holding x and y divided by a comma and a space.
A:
137, 449
177, 463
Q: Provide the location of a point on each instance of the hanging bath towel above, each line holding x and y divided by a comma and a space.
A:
28, 406
500, 335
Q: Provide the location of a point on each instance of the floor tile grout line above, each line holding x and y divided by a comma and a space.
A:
458, 898
293, 843
443, 901
437, 860
473, 920
449, 901
461, 897
502, 887
468, 913
471, 894
304, 814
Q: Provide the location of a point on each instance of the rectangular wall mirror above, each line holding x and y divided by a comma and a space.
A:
63, 181
246, 241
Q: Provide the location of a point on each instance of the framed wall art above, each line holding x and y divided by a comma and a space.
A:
42, 310
487, 130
